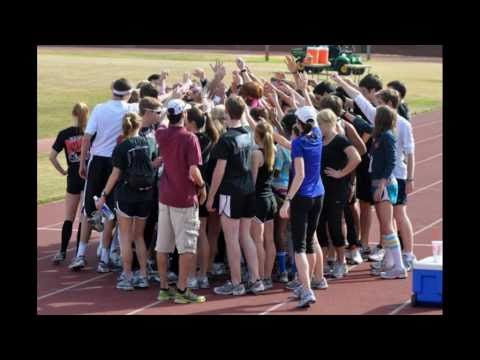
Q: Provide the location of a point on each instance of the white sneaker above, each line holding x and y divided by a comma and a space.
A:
356, 257
192, 283
339, 271
377, 254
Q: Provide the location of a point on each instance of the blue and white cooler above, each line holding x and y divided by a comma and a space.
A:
428, 282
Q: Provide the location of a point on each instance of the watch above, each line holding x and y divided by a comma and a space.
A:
104, 194
288, 198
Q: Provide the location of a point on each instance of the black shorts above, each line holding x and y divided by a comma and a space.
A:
202, 210
364, 187
99, 170
139, 209
402, 193
265, 208
237, 206
75, 184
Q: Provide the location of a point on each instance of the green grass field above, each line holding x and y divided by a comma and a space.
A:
68, 75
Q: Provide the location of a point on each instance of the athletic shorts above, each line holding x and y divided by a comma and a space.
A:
138, 209
237, 206
390, 191
98, 172
265, 209
364, 188
75, 184
177, 227
402, 193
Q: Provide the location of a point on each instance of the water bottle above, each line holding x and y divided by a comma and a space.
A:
106, 212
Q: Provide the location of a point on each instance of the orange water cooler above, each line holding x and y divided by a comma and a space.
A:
322, 54
311, 57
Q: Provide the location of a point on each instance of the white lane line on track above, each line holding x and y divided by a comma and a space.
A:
425, 187
427, 124
144, 308
73, 286
428, 159
400, 308
428, 139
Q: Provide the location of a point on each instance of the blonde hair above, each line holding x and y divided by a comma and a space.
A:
264, 132
130, 124
327, 117
218, 117
80, 111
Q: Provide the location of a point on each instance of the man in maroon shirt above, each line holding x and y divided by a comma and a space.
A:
181, 190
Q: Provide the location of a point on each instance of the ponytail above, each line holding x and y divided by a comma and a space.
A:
80, 111
130, 124
211, 129
264, 131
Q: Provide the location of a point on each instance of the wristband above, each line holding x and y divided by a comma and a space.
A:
410, 180
243, 70
104, 194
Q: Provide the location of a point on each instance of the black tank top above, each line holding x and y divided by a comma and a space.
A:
263, 186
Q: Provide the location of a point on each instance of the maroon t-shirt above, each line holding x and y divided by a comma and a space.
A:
179, 150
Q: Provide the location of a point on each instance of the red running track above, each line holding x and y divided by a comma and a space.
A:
60, 291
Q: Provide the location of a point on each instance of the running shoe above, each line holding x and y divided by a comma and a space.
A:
297, 292
365, 251
293, 284
125, 283
306, 299
282, 277
188, 297
394, 274
78, 263
58, 258
377, 254
229, 289
103, 267
319, 284
140, 282
192, 283
165, 295
203, 282
408, 261
339, 271
378, 265
218, 269
256, 287
356, 257
153, 276
172, 278
267, 284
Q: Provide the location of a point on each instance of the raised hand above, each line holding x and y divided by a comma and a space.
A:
291, 64
186, 77
163, 74
237, 79
240, 63
199, 73
303, 81
334, 76
279, 75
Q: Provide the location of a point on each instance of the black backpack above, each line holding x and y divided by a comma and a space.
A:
140, 174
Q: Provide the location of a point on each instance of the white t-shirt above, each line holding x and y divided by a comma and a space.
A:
106, 122
405, 142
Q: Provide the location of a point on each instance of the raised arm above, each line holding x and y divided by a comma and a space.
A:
356, 140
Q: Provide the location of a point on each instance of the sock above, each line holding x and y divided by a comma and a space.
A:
78, 234
66, 234
408, 253
104, 255
392, 244
388, 259
82, 249
282, 261
294, 267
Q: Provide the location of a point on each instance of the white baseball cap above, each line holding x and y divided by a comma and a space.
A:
306, 113
178, 106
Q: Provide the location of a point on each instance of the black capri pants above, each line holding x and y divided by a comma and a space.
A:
304, 216
332, 215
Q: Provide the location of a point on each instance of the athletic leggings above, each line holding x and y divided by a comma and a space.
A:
304, 214
332, 215
352, 235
